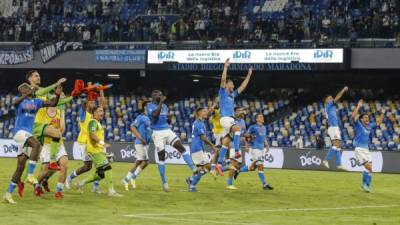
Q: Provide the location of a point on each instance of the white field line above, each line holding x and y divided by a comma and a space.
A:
260, 211
190, 220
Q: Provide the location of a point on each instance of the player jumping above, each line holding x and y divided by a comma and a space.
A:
333, 130
142, 131
227, 96
26, 109
163, 135
363, 128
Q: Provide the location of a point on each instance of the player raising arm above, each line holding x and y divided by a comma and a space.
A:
333, 129
96, 149
41, 130
85, 116
163, 135
26, 109
227, 95
363, 128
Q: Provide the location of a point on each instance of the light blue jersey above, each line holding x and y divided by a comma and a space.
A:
227, 102
330, 110
260, 134
242, 124
361, 139
198, 129
26, 113
142, 124
160, 122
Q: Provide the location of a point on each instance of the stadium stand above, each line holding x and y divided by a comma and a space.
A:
259, 21
286, 118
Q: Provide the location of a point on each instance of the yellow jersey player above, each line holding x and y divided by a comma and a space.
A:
85, 116
54, 117
96, 150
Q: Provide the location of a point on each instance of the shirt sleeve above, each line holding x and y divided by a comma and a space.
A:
200, 129
39, 103
82, 114
92, 126
221, 91
136, 123
150, 108
250, 130
373, 125
235, 93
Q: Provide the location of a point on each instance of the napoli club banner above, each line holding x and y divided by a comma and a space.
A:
17, 56
120, 56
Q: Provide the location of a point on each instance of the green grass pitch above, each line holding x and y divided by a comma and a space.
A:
300, 197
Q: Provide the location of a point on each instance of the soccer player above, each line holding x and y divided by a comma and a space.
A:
258, 135
41, 129
217, 129
54, 117
227, 96
96, 149
142, 131
235, 162
163, 135
334, 130
26, 109
85, 116
363, 128
199, 157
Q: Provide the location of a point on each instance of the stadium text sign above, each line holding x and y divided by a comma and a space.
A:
350, 162
272, 159
265, 56
120, 56
8, 148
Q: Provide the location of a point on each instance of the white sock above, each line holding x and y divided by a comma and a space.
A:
137, 171
128, 176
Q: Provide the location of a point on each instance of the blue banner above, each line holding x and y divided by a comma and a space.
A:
120, 56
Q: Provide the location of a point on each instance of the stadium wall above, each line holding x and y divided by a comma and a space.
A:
282, 158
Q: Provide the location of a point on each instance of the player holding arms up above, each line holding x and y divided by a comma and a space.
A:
363, 128
227, 96
142, 131
199, 157
85, 116
258, 135
333, 130
163, 135
96, 149
26, 109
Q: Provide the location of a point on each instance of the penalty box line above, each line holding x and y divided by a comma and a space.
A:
261, 211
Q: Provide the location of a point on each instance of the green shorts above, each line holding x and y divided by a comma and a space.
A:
99, 159
38, 131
